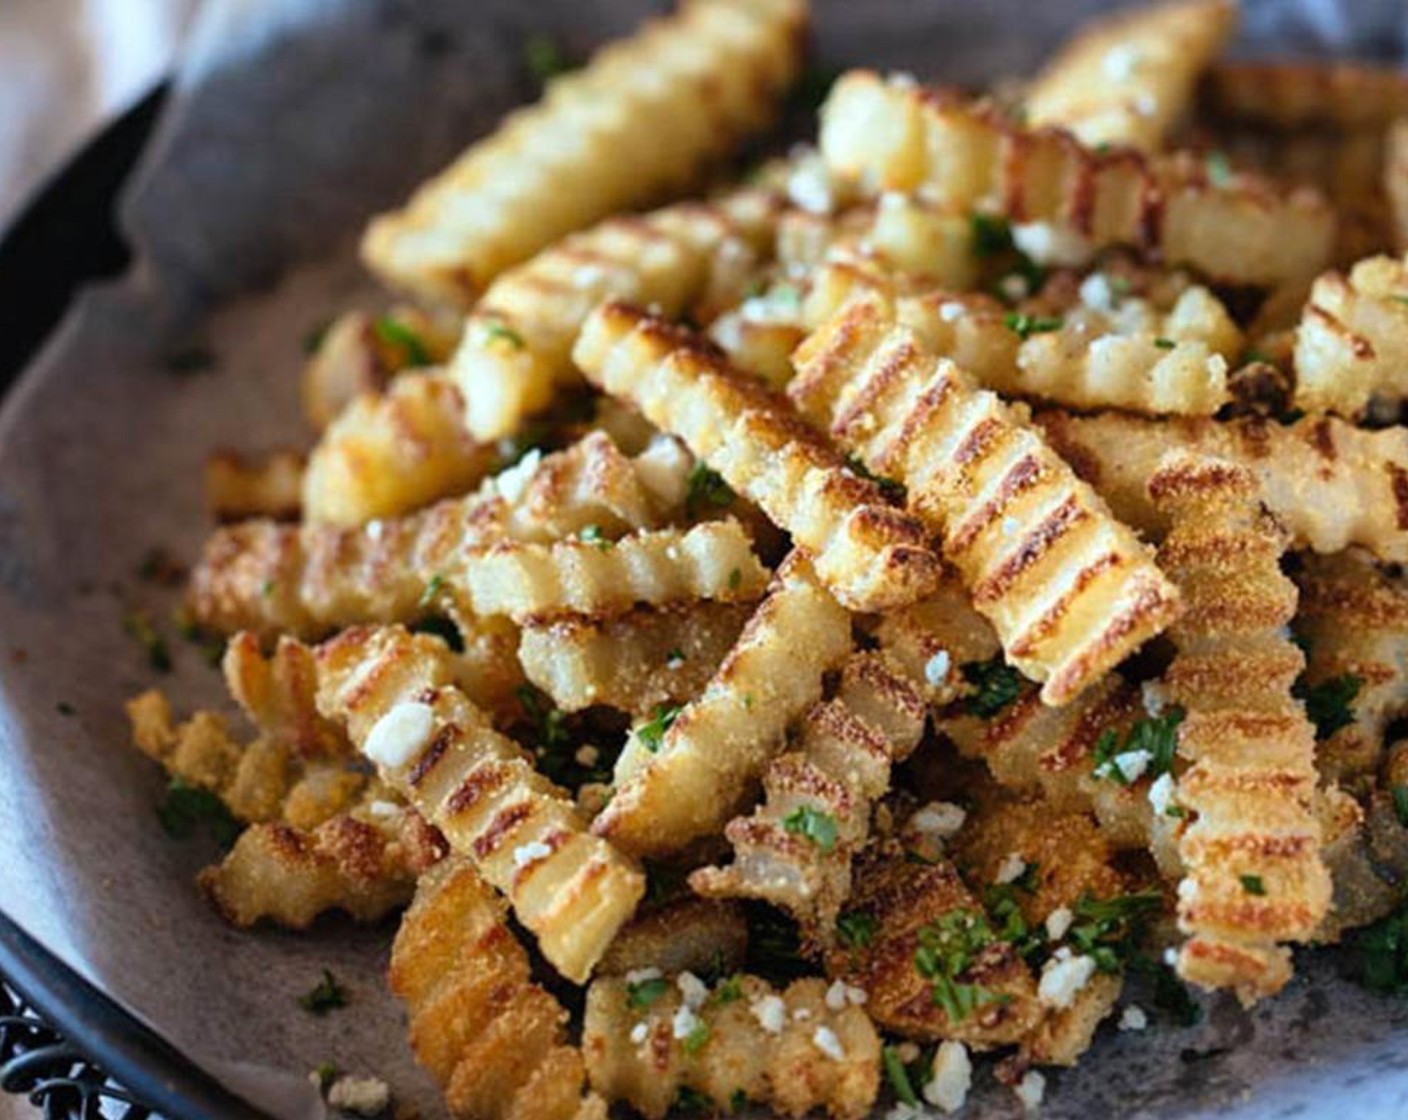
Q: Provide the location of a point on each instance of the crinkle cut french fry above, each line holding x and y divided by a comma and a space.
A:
870, 555
1344, 97
693, 779
516, 350
638, 121
1331, 484
714, 560
687, 934
1352, 343
495, 1040
892, 135
1070, 590
364, 862
633, 662
236, 487
932, 640
388, 455
1128, 78
817, 1058
279, 694
839, 766
1254, 875
573, 891
309, 579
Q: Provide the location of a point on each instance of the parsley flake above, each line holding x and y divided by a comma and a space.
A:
642, 994
998, 685
856, 929
497, 332
187, 805
818, 827
326, 995
1027, 325
1156, 736
991, 235
1165, 343
948, 947
652, 733
898, 1077
1382, 949
139, 627
706, 488
694, 1041
442, 627
890, 489
545, 59
735, 579
1108, 929
395, 333
1400, 804
1328, 704
592, 534
432, 590
1253, 884
729, 990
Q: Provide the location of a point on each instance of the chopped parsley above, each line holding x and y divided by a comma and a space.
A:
1253, 884
991, 236
326, 995
1382, 951
645, 992
592, 534
1165, 343
706, 488
813, 84
442, 627
1400, 804
549, 722
898, 1077
545, 59
694, 1041
729, 990
735, 579
1328, 704
675, 657
187, 805
495, 332
326, 1074
652, 733
432, 591
816, 826
892, 490
1000, 900
997, 685
139, 627
1027, 325
738, 1101
395, 333
313, 339
1157, 736
856, 929
948, 947
1108, 929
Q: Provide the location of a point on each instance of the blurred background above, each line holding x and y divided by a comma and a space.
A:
66, 68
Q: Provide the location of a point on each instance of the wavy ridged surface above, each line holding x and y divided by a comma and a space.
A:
639, 120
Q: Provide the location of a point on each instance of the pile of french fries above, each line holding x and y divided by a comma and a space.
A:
855, 617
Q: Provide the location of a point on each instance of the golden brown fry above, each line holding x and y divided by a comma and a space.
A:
1070, 591
1129, 77
384, 456
870, 555
236, 488
307, 580
892, 135
634, 662
1352, 344
279, 695
573, 891
601, 577
692, 777
637, 122
932, 640
516, 351
1395, 181
1354, 620
795, 849
1344, 96
1332, 485
364, 862
686, 935
1255, 877
786, 1049
494, 1039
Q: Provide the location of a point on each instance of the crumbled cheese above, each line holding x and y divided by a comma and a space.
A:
664, 467
640, 1032
1058, 922
1031, 1089
902, 79
937, 667
1015, 287
951, 1079
1061, 980
902, 1111
513, 482
1010, 525
801, 1014
531, 852
1132, 764
825, 1040
770, 1012
400, 735
1161, 794
1048, 244
1145, 105
587, 755
836, 996
939, 818
1010, 869
685, 1022
1121, 61
588, 275
643, 975
1133, 1018
950, 311
675, 662
693, 989
1154, 698
1170, 957
383, 808
1096, 293
375, 528
856, 996
809, 186
366, 1096
1187, 889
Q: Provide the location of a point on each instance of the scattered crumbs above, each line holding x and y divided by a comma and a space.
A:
1010, 869
1133, 1018
326, 995
64, 708
138, 625
1031, 1089
362, 1096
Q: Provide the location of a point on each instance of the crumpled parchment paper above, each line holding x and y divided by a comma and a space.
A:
293, 120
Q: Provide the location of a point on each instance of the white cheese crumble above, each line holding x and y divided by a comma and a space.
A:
1031, 1089
643, 975
941, 819
902, 1111
1120, 62
685, 1022
951, 311
1048, 244
952, 1077
1096, 293
809, 186
936, 669
400, 735
513, 482
825, 1040
836, 996
375, 528
1145, 105
587, 755
770, 1012
1061, 980
1010, 525
1133, 1018
531, 852
1171, 957
801, 1014
1161, 794
1130, 764
1010, 869
1058, 922
1153, 696
902, 79
674, 662
694, 991
640, 1032
366, 1096
664, 467
383, 808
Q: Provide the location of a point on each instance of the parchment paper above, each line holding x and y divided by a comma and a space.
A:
291, 123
